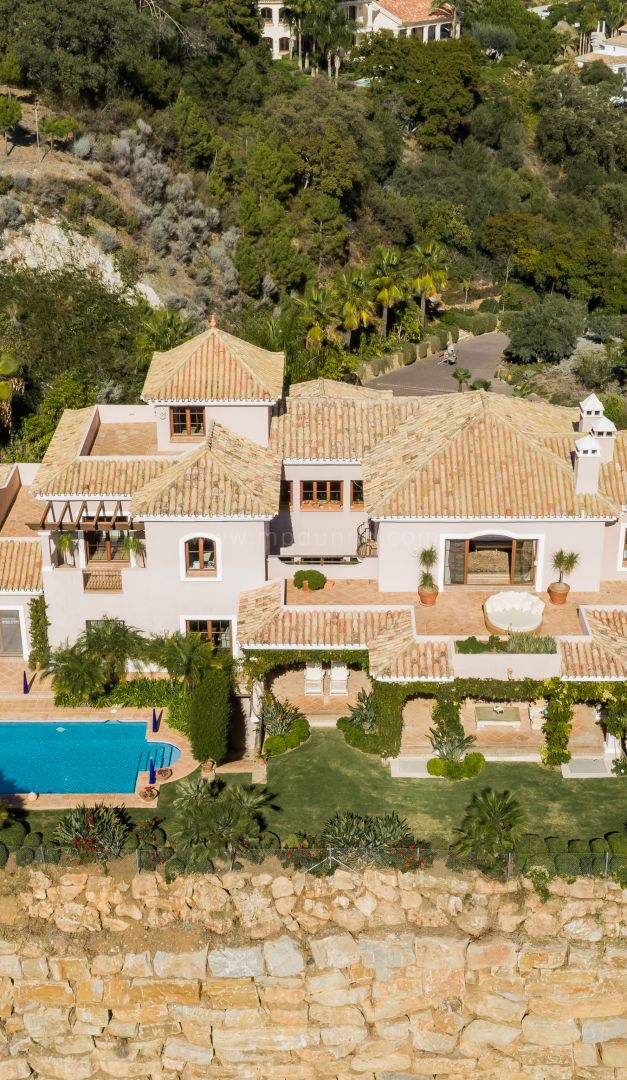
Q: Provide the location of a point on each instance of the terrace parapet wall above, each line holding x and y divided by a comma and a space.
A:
290, 977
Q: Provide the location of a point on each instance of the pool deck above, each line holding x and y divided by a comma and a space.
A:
38, 707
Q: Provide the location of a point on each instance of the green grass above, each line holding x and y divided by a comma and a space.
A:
325, 775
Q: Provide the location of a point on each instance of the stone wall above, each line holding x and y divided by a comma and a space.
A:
377, 975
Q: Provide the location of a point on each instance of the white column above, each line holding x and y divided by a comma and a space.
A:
425, 35
612, 746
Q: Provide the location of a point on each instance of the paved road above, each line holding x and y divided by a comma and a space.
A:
481, 355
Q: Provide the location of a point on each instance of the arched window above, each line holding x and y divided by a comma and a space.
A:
282, 15
266, 14
200, 556
268, 41
284, 44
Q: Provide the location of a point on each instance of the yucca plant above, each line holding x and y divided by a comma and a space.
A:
363, 714
450, 745
277, 716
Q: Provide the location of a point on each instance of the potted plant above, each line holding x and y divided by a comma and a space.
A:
427, 588
65, 544
134, 545
564, 562
309, 580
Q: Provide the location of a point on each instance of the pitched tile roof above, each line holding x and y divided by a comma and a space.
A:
613, 474
395, 654
415, 11
604, 655
215, 366
475, 455
119, 477
331, 388
62, 448
263, 619
20, 566
228, 476
314, 429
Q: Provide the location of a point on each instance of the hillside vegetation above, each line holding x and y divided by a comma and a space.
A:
308, 212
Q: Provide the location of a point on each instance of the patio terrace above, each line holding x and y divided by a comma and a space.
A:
459, 609
126, 440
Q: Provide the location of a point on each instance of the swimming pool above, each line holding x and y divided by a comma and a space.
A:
77, 756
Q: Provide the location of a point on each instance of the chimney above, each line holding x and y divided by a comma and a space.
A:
604, 431
587, 465
590, 409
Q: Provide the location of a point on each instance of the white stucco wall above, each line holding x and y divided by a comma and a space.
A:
318, 532
159, 597
401, 542
11, 601
614, 542
251, 421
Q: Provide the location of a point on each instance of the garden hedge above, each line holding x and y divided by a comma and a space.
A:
210, 716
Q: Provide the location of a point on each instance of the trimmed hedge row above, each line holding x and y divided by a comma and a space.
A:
571, 857
467, 769
210, 715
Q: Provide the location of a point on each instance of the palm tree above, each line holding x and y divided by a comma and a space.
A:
295, 12
186, 657
466, 283
462, 376
75, 672
389, 282
493, 824
113, 643
134, 545
615, 15
65, 544
564, 562
334, 33
351, 293
318, 316
427, 268
211, 820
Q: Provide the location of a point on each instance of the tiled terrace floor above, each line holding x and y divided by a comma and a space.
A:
458, 610
125, 439
586, 736
24, 511
290, 686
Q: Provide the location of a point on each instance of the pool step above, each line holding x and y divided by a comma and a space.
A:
161, 758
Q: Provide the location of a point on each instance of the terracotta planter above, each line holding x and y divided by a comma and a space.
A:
558, 592
428, 597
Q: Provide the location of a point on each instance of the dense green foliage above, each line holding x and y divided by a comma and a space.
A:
517, 642
313, 579
284, 726
326, 216
210, 714
38, 623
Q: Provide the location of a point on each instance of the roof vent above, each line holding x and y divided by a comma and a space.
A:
587, 465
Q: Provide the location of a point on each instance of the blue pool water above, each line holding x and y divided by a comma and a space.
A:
77, 756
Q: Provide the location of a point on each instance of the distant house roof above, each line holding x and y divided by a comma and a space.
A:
332, 429
215, 366
415, 11
477, 455
228, 476
20, 566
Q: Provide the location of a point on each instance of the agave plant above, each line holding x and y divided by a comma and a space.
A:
450, 745
277, 716
363, 713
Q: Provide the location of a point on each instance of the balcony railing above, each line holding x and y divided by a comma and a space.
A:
366, 540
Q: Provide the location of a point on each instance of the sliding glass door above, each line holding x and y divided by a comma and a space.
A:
490, 561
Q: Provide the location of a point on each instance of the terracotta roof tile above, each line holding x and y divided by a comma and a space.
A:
397, 655
20, 566
414, 11
119, 477
228, 476
604, 655
613, 475
63, 447
314, 429
333, 389
215, 366
473, 456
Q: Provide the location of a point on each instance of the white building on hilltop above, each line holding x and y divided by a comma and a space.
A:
403, 18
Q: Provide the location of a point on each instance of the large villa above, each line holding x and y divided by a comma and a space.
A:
234, 484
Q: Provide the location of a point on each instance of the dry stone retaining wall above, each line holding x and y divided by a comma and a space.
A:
378, 975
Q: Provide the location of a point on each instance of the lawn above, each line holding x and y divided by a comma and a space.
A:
325, 775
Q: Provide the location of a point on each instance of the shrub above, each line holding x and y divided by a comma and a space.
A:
277, 717
38, 622
435, 766
274, 746
13, 834
363, 714
490, 305
453, 770
97, 832
314, 578
24, 856
422, 350
209, 715
173, 868
356, 737
130, 844
532, 844
567, 865
82, 147
556, 844
617, 843
519, 642
483, 324
599, 845
539, 862
301, 727
557, 727
10, 213
4, 855
292, 740
473, 764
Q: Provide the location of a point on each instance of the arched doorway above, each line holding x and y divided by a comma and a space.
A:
490, 560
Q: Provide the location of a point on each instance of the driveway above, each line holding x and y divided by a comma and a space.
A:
481, 355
